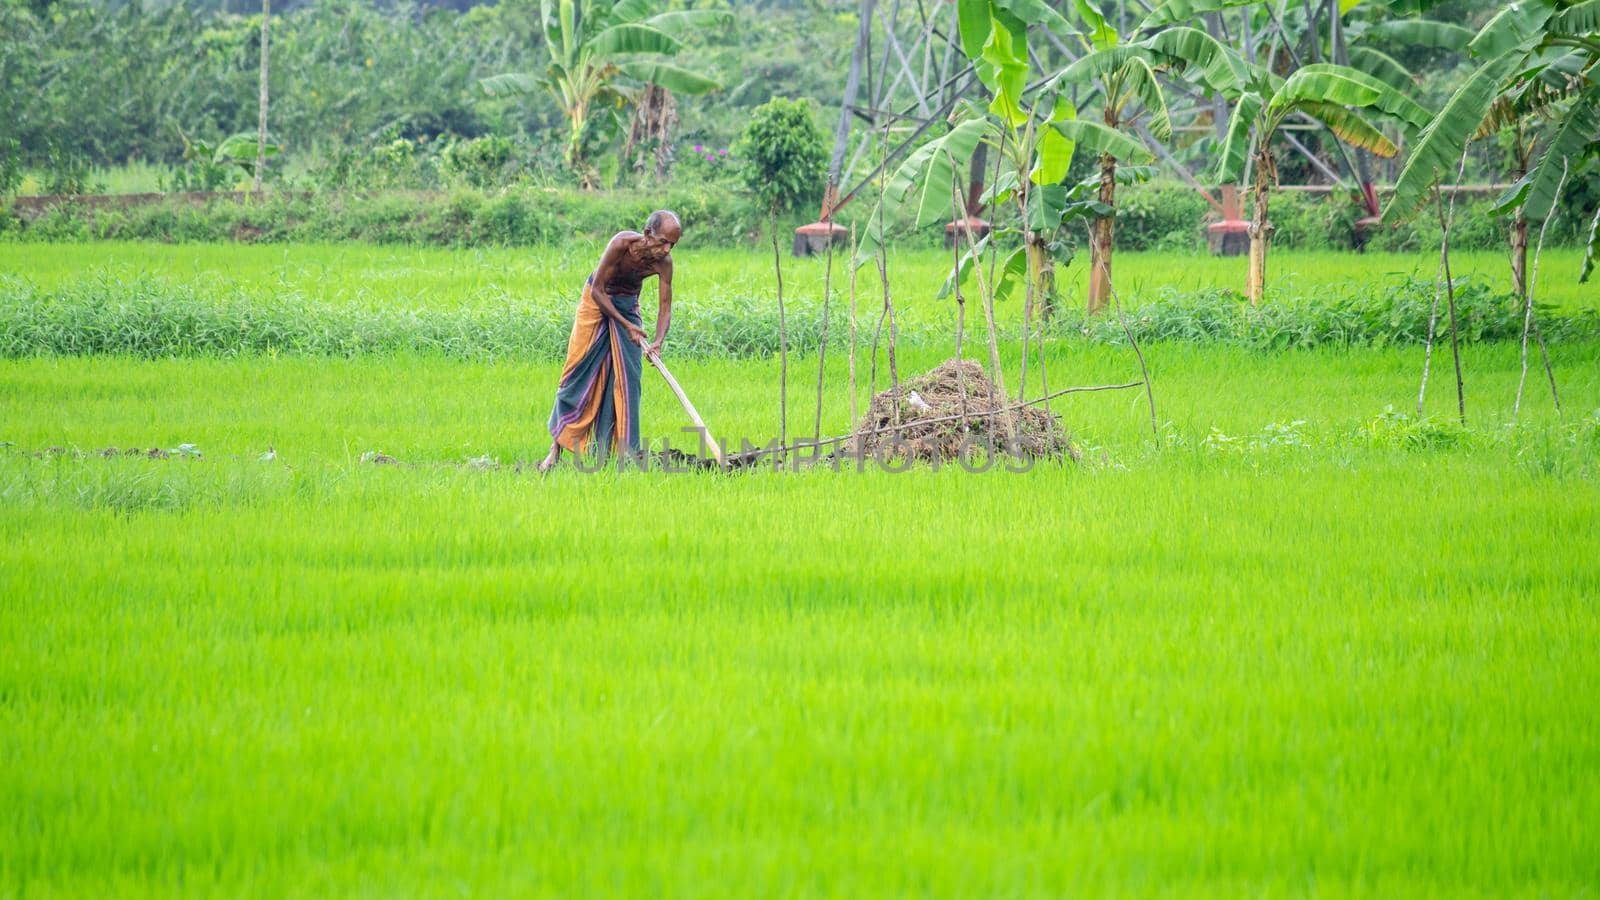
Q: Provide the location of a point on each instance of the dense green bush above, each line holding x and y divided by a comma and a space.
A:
154, 317
112, 82
516, 217
1157, 216
700, 163
483, 162
1354, 316
1160, 217
1171, 216
783, 157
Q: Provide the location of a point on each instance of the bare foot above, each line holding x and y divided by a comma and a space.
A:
551, 459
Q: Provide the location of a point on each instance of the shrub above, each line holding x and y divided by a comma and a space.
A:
151, 317
784, 155
68, 172
480, 162
1160, 217
1356, 316
10, 166
703, 164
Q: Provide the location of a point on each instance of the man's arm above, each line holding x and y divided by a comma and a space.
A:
608, 264
664, 311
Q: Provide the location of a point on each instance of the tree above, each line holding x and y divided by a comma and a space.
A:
783, 158
593, 43
1325, 92
1126, 75
1036, 136
261, 132
1534, 56
783, 154
655, 118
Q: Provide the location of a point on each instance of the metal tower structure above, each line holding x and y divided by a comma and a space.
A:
906, 74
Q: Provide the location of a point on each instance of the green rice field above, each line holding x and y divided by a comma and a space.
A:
436, 278
1295, 641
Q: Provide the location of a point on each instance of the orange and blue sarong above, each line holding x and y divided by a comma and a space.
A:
597, 399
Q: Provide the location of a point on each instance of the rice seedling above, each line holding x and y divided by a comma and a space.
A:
1309, 644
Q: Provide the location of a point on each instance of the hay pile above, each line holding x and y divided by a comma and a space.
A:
931, 424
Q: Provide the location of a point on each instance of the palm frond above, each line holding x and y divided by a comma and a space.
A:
1351, 128
673, 78
1441, 144
1382, 66
1421, 33
1345, 86
1517, 25
1575, 138
1236, 146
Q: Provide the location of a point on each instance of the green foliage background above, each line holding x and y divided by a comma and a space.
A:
367, 97
115, 83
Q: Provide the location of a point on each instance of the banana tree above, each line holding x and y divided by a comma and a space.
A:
1034, 135
1034, 154
1535, 55
1337, 96
1523, 117
1357, 43
592, 46
1352, 33
1127, 77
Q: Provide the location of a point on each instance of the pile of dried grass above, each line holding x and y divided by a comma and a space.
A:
934, 423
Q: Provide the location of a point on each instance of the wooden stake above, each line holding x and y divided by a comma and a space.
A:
1450, 299
1024, 184
986, 290
877, 331
261, 132
883, 277
783, 335
960, 221
1433, 310
855, 412
822, 350
1144, 371
1528, 321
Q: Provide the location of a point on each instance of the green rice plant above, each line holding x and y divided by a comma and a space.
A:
1167, 670
365, 274
1357, 315
1405, 431
156, 317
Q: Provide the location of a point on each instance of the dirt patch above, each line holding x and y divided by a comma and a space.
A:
673, 459
934, 424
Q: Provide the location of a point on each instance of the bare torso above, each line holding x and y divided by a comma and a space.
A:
625, 276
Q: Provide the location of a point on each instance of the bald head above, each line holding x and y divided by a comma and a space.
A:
664, 223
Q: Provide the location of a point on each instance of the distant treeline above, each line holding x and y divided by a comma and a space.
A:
1157, 216
110, 83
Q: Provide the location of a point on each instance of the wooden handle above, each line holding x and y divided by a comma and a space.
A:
688, 407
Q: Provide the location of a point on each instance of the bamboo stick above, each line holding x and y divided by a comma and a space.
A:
1528, 321
822, 350
688, 407
855, 413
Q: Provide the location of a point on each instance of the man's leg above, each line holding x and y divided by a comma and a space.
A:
553, 457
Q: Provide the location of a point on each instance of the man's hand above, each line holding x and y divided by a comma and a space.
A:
636, 334
653, 350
